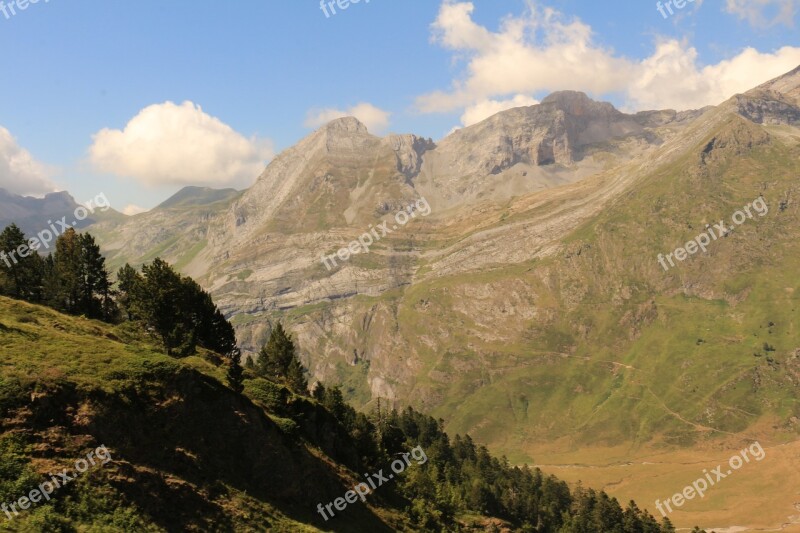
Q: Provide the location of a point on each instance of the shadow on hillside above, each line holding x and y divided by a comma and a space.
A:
180, 444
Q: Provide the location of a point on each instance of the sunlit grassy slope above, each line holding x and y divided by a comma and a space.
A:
187, 453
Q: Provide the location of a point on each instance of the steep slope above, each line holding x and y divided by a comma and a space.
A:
197, 196
182, 452
263, 251
511, 295
174, 432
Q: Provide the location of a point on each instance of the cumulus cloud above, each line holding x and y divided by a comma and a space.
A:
538, 51
132, 209
542, 51
179, 145
486, 108
671, 77
375, 119
764, 13
20, 173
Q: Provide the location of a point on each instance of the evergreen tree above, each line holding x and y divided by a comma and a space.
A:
296, 377
235, 374
181, 313
76, 280
129, 291
278, 361
162, 307
20, 277
96, 291
66, 291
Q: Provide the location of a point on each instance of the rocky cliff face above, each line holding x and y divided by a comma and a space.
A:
261, 252
776, 102
535, 268
551, 133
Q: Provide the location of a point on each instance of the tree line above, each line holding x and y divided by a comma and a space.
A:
74, 280
461, 477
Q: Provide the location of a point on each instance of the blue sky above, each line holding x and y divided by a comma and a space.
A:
138, 99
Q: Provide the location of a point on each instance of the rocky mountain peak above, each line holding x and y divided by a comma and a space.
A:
345, 125
409, 150
787, 85
578, 104
776, 102
551, 133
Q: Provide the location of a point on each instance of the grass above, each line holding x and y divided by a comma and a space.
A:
67, 383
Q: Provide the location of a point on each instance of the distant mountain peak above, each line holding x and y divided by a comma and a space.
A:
345, 125
787, 85
577, 103
193, 196
775, 102
567, 96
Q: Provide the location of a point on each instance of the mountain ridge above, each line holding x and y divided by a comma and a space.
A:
534, 293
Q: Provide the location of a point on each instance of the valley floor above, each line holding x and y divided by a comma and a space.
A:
760, 496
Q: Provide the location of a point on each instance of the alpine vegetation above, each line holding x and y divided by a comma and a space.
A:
57, 481
713, 233
375, 480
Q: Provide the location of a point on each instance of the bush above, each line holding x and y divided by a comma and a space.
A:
267, 393
286, 425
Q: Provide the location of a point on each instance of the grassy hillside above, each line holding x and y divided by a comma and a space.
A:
188, 453
182, 452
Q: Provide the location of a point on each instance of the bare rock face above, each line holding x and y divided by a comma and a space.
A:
588, 122
409, 150
776, 102
551, 133
768, 107
344, 142
787, 85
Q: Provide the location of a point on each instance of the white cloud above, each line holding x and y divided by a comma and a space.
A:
764, 13
132, 209
486, 108
541, 51
671, 78
20, 173
538, 51
179, 145
375, 119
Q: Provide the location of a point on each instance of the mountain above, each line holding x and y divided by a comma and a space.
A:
126, 429
33, 215
530, 307
198, 196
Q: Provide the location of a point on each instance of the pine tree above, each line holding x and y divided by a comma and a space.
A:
278, 361
162, 308
20, 277
76, 281
129, 291
295, 377
235, 374
96, 301
67, 273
